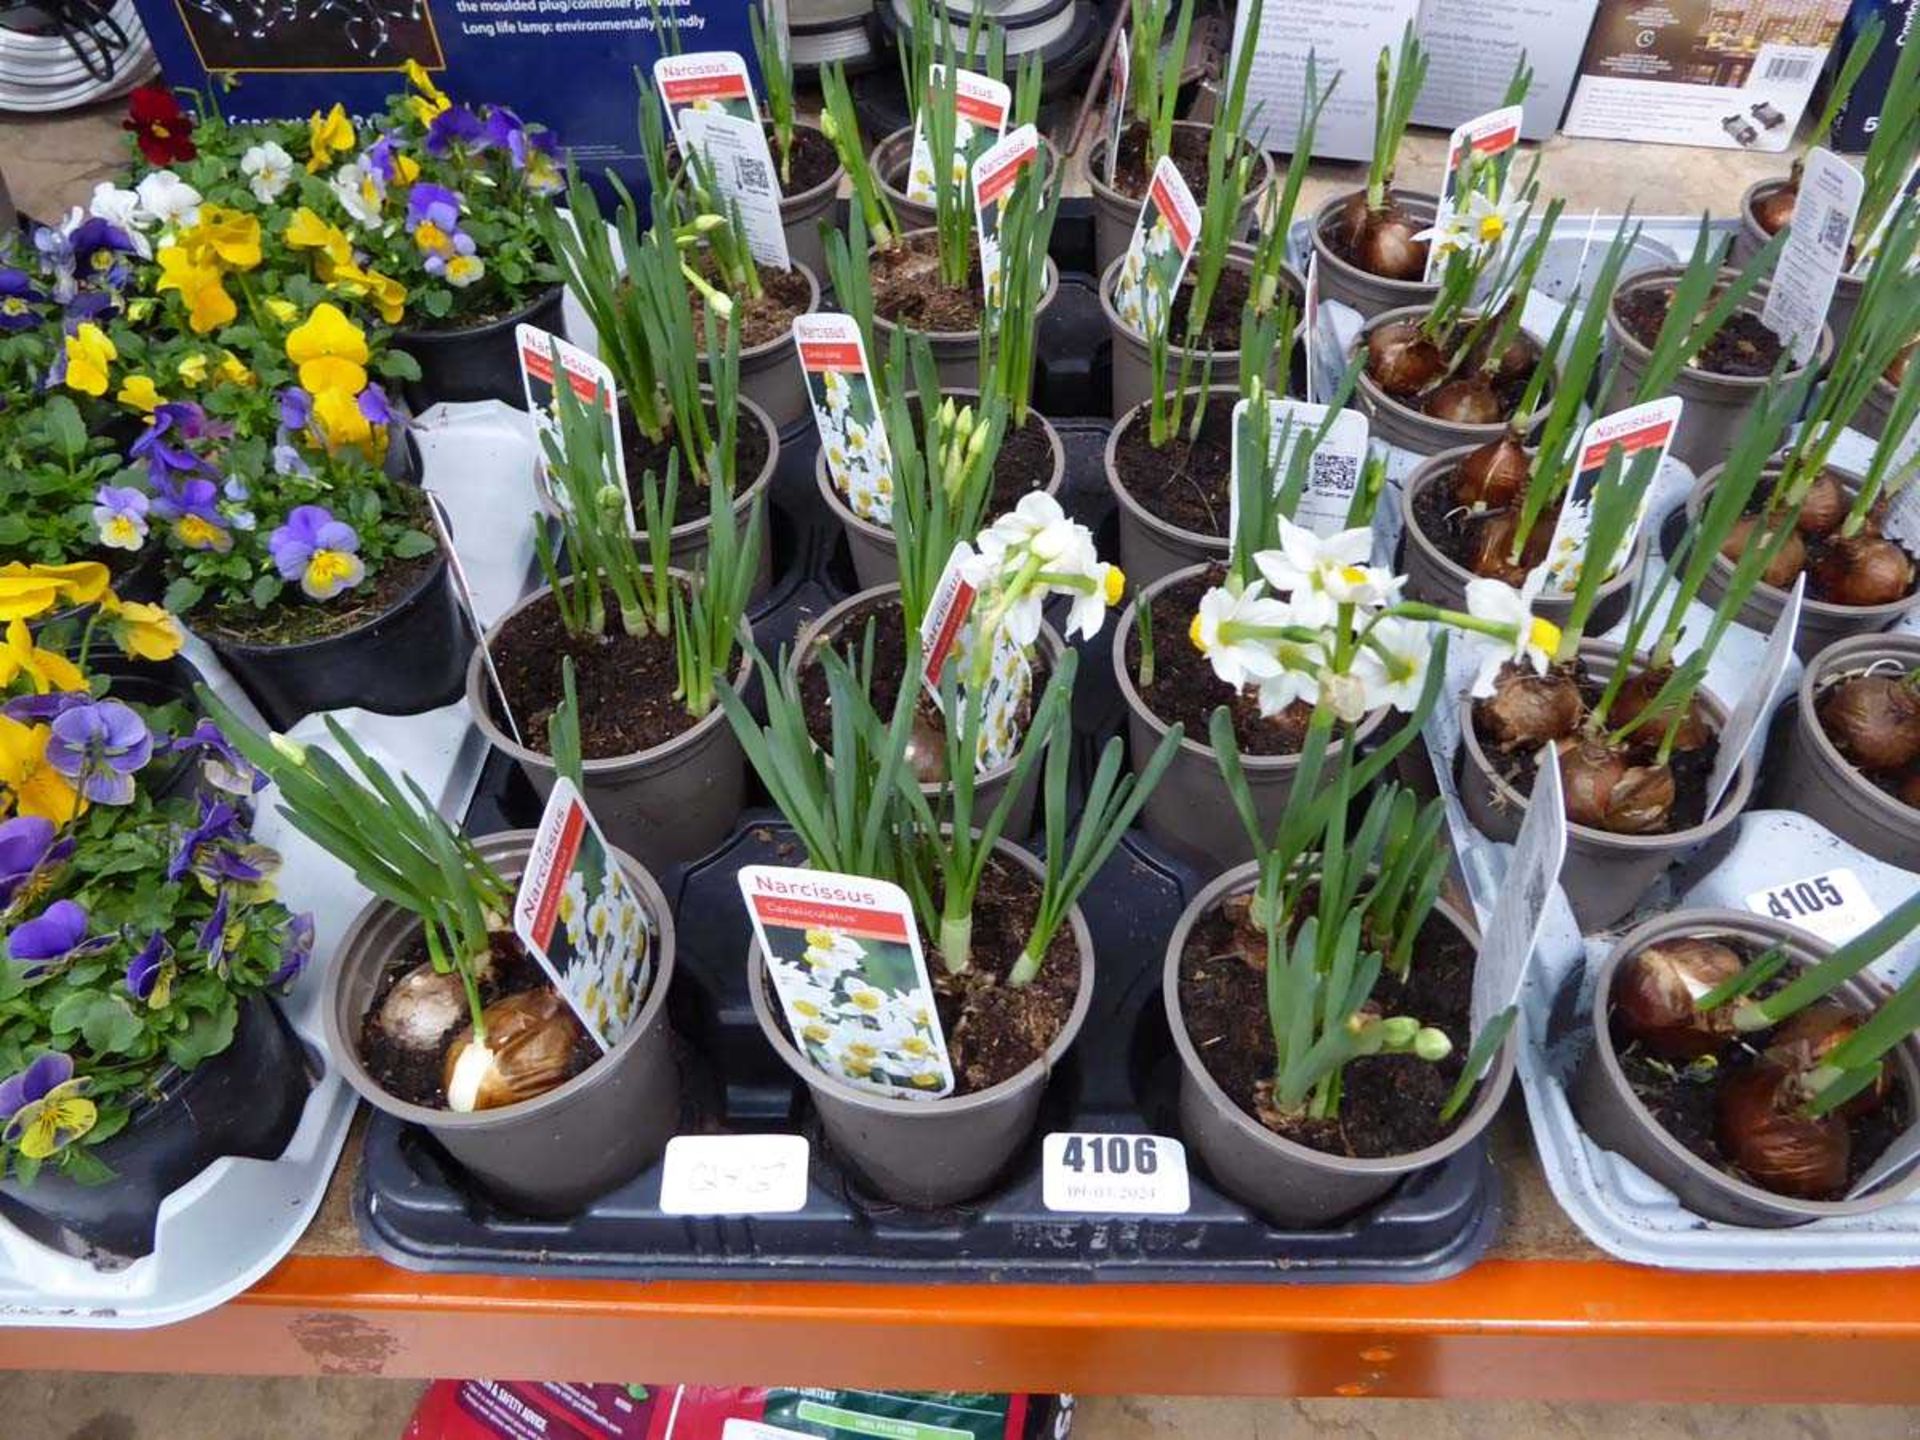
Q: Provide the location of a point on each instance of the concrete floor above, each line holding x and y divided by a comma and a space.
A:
70, 1407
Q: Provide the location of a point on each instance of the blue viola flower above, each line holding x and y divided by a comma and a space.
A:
28, 850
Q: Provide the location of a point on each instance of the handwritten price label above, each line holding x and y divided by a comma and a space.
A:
1094, 1174
734, 1175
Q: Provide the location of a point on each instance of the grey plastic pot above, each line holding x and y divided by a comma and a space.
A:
1133, 362
956, 353
1821, 621
1152, 548
1876, 408
688, 546
1749, 240
770, 373
1362, 290
672, 803
890, 159
1717, 405
1605, 874
1115, 213
551, 1155
1434, 576
1608, 1110
876, 558
1295, 1185
802, 214
928, 1153
1817, 780
1191, 811
988, 786
1409, 429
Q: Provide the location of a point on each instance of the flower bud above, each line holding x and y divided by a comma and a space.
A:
1399, 1032
289, 747
1432, 1045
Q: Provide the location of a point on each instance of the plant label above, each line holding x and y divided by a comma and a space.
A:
995, 173
1815, 255
846, 408
1750, 712
1832, 904
592, 382
1901, 520
1157, 254
1520, 907
580, 918
1479, 156
1339, 439
844, 955
1640, 427
1088, 1173
469, 611
734, 1175
1117, 99
946, 638
981, 105
711, 110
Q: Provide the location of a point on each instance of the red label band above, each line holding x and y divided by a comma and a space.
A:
855, 920
986, 112
1002, 180
723, 86
571, 829
1176, 222
1633, 442
821, 355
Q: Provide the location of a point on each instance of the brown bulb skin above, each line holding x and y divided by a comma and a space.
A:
1656, 993
1494, 476
1387, 248
1897, 371
1527, 710
1490, 546
1780, 572
1605, 792
1824, 508
1761, 1132
1805, 1039
1874, 720
1773, 211
1401, 361
1634, 697
1468, 401
532, 1036
1514, 364
1861, 570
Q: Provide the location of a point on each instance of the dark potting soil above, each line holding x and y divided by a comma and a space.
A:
416, 1076
1454, 530
1185, 484
995, 1030
625, 683
1743, 346
1185, 690
294, 620
1133, 165
812, 161
1691, 768
1223, 311
1682, 1097
693, 501
908, 290
889, 673
1389, 1104
767, 316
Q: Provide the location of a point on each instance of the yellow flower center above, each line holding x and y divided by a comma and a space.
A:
1116, 585
199, 533
1545, 635
1353, 575
1196, 636
1492, 227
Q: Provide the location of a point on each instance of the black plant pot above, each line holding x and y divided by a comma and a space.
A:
245, 1101
477, 362
410, 657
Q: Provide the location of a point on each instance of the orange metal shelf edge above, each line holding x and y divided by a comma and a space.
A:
1566, 1329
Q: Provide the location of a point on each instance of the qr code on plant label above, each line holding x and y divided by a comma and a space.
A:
1836, 228
750, 173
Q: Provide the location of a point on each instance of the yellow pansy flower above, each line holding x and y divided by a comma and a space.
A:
430, 100
329, 135
285, 311
43, 669
337, 419
390, 296
89, 353
138, 392
234, 370
142, 631
330, 350
232, 235
208, 304
193, 369
46, 1126
80, 582
36, 787
307, 231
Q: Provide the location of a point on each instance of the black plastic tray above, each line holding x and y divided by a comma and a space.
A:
1122, 1077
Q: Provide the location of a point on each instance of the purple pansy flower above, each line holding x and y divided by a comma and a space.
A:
99, 249
236, 493
143, 971
27, 846
375, 405
219, 825
224, 767
57, 933
100, 747
296, 949
37, 709
213, 935
296, 408
193, 507
42, 1107
120, 516
165, 459
17, 299
456, 125
383, 159
318, 551
429, 202
288, 461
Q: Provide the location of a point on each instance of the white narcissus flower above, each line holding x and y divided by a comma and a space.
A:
269, 170
1036, 526
1523, 636
1280, 691
1218, 632
122, 209
1392, 665
1489, 221
1319, 574
168, 199
1035, 550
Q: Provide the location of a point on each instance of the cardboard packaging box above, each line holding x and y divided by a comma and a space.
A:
1735, 74
1475, 43
1862, 111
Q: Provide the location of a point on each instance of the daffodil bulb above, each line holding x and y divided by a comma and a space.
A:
529, 1049
423, 1007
